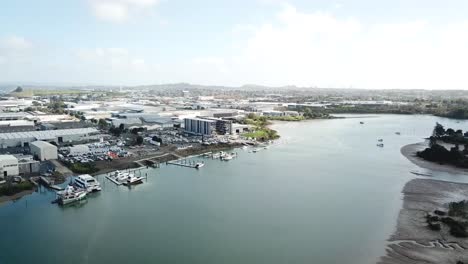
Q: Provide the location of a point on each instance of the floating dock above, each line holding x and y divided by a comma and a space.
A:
192, 165
113, 180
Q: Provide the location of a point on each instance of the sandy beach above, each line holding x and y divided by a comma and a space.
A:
413, 241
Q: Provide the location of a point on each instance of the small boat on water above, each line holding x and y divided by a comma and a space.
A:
397, 133
380, 145
133, 180
226, 156
199, 165
70, 195
362, 123
380, 140
87, 182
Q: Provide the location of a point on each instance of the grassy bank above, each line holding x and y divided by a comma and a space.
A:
9, 190
261, 131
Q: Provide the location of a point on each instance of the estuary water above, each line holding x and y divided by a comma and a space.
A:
323, 193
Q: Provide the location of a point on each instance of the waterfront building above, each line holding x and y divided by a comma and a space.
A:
8, 166
43, 150
57, 136
27, 165
199, 126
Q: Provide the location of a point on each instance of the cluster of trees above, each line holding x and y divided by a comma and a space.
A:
117, 131
438, 153
309, 114
83, 168
448, 135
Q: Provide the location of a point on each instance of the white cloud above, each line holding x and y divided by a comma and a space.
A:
321, 49
14, 49
15, 43
119, 10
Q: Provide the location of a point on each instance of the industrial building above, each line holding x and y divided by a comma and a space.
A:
199, 126
207, 126
27, 165
43, 150
56, 136
8, 166
13, 116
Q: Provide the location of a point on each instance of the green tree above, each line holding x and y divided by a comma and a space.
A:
450, 132
102, 123
139, 140
439, 130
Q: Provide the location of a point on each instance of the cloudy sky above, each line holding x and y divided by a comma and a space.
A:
358, 43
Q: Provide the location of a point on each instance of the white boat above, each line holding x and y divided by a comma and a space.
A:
71, 194
122, 176
133, 180
87, 182
199, 165
226, 157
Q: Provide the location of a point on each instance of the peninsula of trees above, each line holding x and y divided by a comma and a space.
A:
436, 152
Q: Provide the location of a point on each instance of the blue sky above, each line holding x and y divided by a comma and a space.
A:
362, 43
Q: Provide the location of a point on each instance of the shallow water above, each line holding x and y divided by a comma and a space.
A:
324, 193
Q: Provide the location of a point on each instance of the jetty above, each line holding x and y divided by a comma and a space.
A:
49, 183
186, 163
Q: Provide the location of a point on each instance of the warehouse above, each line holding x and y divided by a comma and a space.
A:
43, 150
27, 165
56, 136
8, 165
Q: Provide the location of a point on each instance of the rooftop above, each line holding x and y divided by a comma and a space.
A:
40, 144
46, 134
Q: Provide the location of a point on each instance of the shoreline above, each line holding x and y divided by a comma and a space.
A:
409, 151
412, 241
16, 196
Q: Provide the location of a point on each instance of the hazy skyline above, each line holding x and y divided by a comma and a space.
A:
361, 44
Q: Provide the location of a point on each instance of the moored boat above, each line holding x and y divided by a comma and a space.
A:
87, 182
133, 180
70, 195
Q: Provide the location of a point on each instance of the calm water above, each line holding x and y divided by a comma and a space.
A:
323, 194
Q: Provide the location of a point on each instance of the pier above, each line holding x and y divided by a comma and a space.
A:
134, 170
186, 163
49, 183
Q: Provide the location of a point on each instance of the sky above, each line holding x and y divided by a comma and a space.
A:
401, 44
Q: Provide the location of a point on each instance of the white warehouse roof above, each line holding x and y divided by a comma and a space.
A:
41, 144
10, 158
47, 134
